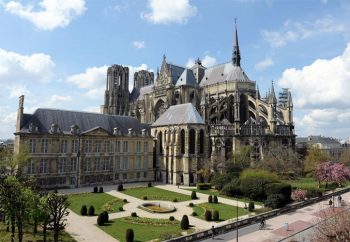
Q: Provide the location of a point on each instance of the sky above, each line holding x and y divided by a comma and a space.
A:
56, 52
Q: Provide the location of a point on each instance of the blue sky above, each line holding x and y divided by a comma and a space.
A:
56, 51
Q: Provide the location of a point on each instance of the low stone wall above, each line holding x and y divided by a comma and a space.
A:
257, 218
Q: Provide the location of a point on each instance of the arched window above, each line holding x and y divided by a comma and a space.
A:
182, 134
160, 140
191, 141
201, 141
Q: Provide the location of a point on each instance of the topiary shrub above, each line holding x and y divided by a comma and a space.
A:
144, 197
215, 199
207, 215
121, 209
134, 214
129, 235
95, 190
215, 215
175, 200
100, 220
91, 211
274, 201
232, 188
105, 217
194, 214
279, 188
171, 218
190, 204
83, 210
120, 187
251, 206
184, 224
100, 190
203, 186
193, 195
125, 200
149, 184
210, 199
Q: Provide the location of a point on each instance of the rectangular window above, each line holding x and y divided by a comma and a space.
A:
106, 164
30, 167
125, 146
145, 163
145, 147
138, 163
32, 145
74, 146
138, 146
98, 146
63, 147
125, 176
97, 164
43, 166
72, 180
125, 163
116, 177
87, 164
138, 175
44, 145
74, 164
87, 146
117, 146
145, 174
107, 145
62, 165
117, 163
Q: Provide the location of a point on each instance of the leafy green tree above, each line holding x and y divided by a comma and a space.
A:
314, 156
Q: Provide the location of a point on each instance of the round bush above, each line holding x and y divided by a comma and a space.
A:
216, 215
203, 186
274, 201
194, 214
207, 215
95, 189
184, 224
175, 200
121, 209
193, 195
83, 210
171, 218
120, 187
100, 221
133, 214
125, 200
129, 235
100, 190
232, 188
251, 206
190, 204
105, 217
149, 184
279, 188
91, 211
210, 199
215, 199
144, 197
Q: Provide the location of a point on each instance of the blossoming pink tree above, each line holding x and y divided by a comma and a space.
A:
331, 172
298, 195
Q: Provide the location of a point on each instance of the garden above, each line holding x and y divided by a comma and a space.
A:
154, 193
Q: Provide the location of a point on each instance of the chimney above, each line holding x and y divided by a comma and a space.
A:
19, 122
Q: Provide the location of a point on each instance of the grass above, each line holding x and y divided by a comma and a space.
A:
154, 193
28, 235
307, 183
225, 211
100, 201
145, 229
214, 192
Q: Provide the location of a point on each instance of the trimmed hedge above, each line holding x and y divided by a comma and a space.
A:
171, 218
149, 184
210, 199
184, 224
193, 195
311, 193
251, 206
95, 190
100, 221
133, 214
216, 216
105, 217
207, 215
215, 199
203, 186
279, 188
275, 201
100, 190
83, 210
120, 187
91, 211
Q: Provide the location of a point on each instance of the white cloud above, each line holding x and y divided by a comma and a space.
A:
262, 65
207, 61
139, 44
169, 11
15, 67
59, 98
51, 13
17, 90
320, 90
293, 31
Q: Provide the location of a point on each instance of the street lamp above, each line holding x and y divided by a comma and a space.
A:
236, 220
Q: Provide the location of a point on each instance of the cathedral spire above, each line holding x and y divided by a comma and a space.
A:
236, 56
272, 95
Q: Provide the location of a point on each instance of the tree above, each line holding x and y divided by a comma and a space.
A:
129, 235
331, 172
314, 157
58, 209
184, 224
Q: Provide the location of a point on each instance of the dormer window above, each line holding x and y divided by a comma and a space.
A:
74, 129
33, 128
131, 132
116, 131
143, 132
54, 129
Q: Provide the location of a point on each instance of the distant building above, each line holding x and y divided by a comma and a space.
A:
73, 149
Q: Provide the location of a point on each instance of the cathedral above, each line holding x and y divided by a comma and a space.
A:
201, 114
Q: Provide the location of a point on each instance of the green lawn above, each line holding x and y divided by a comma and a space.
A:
307, 183
100, 201
214, 192
225, 211
28, 236
145, 229
154, 193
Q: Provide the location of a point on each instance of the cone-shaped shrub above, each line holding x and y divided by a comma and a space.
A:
210, 199
91, 211
129, 235
100, 190
184, 224
100, 221
120, 187
207, 215
83, 210
95, 189
193, 195
105, 216
251, 206
216, 215
215, 199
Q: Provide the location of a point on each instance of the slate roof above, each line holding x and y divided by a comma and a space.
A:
44, 118
176, 71
318, 140
135, 93
187, 79
224, 72
179, 114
